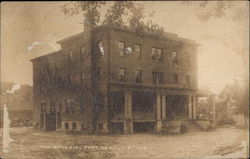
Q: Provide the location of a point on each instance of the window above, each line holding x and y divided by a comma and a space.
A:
70, 54
101, 49
74, 125
43, 108
60, 107
73, 107
67, 106
187, 59
128, 50
138, 76
156, 54
82, 52
174, 58
175, 78
138, 50
122, 74
81, 78
158, 78
82, 126
100, 126
56, 67
81, 105
52, 108
99, 73
66, 125
121, 46
188, 80
69, 78
153, 53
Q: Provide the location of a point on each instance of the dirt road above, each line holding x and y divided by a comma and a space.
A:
34, 144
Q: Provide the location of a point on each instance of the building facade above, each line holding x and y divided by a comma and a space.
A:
113, 80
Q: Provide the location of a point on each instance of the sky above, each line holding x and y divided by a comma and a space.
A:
31, 29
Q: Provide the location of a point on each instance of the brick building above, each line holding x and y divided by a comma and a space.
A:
113, 80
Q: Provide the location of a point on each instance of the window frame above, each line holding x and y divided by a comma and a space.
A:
155, 55
74, 125
82, 52
175, 78
70, 55
120, 76
140, 75
158, 78
101, 53
138, 52
121, 50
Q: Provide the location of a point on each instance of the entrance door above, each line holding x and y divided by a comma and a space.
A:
50, 121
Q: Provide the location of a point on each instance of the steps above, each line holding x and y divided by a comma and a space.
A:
192, 126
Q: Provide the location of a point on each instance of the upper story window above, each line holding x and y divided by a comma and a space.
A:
188, 80
70, 105
138, 50
70, 54
43, 107
174, 58
52, 108
99, 73
128, 50
175, 78
60, 107
67, 106
138, 76
187, 59
122, 74
158, 78
101, 49
121, 46
81, 78
69, 78
82, 53
156, 54
56, 67
81, 105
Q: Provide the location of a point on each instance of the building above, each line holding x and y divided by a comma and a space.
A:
113, 80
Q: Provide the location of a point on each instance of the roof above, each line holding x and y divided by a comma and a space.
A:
49, 54
70, 37
167, 35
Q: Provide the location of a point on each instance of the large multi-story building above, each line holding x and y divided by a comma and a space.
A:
109, 79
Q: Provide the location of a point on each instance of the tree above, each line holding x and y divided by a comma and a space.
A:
120, 14
242, 102
89, 9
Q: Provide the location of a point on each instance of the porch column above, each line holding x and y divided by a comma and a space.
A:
190, 106
105, 122
158, 115
214, 111
163, 102
128, 124
194, 107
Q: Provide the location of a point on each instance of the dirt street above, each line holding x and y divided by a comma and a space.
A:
34, 144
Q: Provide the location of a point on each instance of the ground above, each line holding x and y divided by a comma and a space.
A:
33, 144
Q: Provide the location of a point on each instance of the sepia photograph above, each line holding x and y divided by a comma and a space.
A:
124, 80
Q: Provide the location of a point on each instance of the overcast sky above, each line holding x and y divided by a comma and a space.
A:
31, 29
